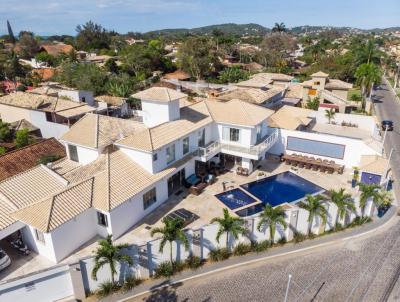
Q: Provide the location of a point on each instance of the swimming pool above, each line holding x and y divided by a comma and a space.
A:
235, 198
281, 188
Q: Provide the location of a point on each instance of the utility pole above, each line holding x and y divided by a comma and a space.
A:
287, 288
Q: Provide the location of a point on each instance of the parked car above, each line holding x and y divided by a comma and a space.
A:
5, 260
387, 124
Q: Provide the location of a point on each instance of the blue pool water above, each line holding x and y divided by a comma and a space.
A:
281, 188
235, 198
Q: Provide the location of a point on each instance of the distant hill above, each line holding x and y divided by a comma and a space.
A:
228, 28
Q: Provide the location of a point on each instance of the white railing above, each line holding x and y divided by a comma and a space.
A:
256, 150
211, 148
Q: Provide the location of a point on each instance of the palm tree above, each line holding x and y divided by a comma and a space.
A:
109, 254
229, 225
270, 217
315, 208
330, 114
367, 192
366, 75
279, 27
171, 231
343, 202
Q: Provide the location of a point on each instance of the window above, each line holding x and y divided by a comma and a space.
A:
73, 153
258, 133
201, 137
102, 219
230, 134
155, 157
149, 198
317, 83
83, 99
49, 117
185, 145
39, 236
170, 154
315, 147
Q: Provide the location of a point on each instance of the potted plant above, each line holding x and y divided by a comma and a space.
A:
354, 181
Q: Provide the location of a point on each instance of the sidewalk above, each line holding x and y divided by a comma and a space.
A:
290, 248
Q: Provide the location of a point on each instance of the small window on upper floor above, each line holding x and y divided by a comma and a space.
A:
49, 117
102, 219
155, 157
40, 236
83, 99
73, 153
185, 145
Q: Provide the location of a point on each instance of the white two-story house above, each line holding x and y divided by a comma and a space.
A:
119, 170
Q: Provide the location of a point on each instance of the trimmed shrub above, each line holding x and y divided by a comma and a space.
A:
360, 221
164, 269
178, 266
282, 241
242, 249
219, 254
106, 288
299, 237
130, 283
339, 227
261, 246
194, 262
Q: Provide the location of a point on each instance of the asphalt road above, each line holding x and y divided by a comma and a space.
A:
360, 269
388, 108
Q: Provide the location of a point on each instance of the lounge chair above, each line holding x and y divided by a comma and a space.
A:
196, 190
210, 179
192, 180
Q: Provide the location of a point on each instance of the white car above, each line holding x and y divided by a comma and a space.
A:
5, 260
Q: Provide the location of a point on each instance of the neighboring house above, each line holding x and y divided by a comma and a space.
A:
291, 118
24, 124
117, 171
56, 49
52, 115
23, 159
331, 91
269, 98
45, 73
276, 78
179, 75
116, 106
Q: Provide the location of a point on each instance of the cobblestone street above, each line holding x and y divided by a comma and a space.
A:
356, 270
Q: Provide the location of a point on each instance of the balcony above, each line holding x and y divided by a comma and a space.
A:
252, 152
209, 151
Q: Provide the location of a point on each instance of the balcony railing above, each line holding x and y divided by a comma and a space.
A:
211, 149
266, 143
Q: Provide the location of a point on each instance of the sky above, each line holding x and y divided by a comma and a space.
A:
46, 17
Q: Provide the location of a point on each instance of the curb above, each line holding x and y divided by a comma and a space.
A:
392, 218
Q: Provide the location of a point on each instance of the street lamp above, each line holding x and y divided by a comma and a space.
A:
287, 287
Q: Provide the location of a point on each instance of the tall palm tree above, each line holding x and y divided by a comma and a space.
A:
369, 191
366, 75
315, 208
229, 225
171, 231
330, 114
279, 27
271, 217
343, 202
109, 254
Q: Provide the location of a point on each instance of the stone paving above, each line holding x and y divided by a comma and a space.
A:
355, 270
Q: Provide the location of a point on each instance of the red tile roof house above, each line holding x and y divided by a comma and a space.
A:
20, 160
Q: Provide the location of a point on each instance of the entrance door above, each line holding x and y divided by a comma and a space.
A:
175, 182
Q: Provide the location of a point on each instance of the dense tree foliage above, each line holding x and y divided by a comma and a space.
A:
92, 36
29, 46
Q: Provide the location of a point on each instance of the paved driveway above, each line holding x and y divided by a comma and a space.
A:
356, 270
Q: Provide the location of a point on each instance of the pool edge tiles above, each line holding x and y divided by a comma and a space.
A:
236, 198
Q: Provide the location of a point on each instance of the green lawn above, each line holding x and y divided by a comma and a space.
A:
352, 91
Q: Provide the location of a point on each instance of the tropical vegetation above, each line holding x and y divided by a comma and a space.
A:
270, 218
343, 202
314, 204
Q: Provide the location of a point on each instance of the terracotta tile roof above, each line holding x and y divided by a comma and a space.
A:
289, 117
45, 74
254, 83
274, 76
160, 94
177, 75
23, 159
193, 117
45, 103
96, 131
57, 49
237, 112
320, 74
111, 100
374, 164
251, 95
294, 91
23, 124
338, 84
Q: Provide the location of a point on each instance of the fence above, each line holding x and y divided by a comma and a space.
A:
74, 280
